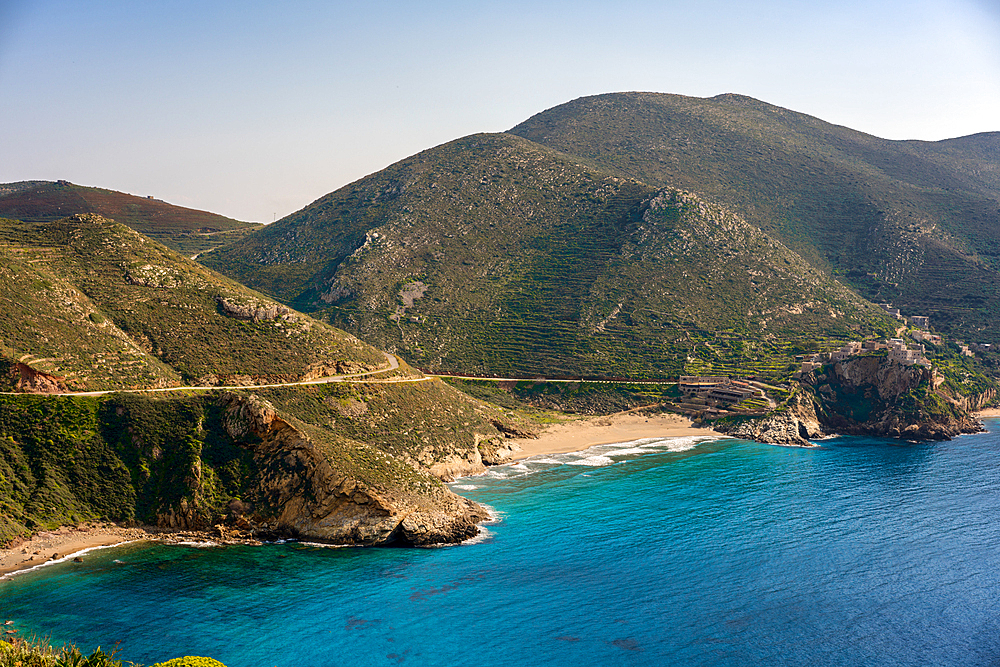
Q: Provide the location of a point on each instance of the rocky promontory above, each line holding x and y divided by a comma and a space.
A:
298, 492
867, 395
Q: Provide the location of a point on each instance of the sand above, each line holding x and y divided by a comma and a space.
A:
579, 434
55, 545
988, 412
50, 546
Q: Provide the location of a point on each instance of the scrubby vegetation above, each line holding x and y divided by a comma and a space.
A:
99, 306
20, 653
910, 222
493, 255
147, 458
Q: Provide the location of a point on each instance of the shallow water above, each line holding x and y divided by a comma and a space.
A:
681, 551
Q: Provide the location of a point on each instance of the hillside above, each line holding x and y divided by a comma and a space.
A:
494, 255
344, 463
913, 223
186, 230
92, 304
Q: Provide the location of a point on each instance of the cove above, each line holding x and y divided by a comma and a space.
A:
696, 551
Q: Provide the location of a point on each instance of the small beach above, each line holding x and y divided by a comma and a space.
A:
988, 413
49, 546
583, 433
52, 545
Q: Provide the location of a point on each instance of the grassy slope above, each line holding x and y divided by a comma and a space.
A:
492, 254
127, 457
100, 304
188, 231
914, 223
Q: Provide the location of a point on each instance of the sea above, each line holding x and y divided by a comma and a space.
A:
679, 551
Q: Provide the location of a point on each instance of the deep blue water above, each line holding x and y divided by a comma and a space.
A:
718, 552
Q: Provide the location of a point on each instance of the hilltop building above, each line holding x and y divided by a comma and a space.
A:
927, 337
893, 312
899, 351
907, 355
846, 351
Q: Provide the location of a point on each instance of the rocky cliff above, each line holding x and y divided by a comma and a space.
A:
794, 424
871, 395
298, 492
867, 395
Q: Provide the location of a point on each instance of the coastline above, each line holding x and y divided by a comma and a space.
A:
987, 413
51, 546
586, 432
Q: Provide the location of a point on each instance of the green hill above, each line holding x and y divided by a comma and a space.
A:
909, 222
188, 231
494, 255
101, 306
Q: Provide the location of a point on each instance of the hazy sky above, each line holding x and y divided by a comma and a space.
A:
254, 109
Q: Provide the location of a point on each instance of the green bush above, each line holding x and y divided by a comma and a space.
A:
190, 661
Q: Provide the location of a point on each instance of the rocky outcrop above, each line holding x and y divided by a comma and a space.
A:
497, 451
872, 395
254, 310
793, 425
868, 395
33, 381
299, 492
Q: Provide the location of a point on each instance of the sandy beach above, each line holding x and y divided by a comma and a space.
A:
988, 412
577, 435
57, 544
48, 546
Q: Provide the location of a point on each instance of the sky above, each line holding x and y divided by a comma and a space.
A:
254, 110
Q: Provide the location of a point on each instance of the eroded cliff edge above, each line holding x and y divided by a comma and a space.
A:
868, 395
297, 490
350, 464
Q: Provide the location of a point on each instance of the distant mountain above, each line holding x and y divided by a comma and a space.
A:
493, 254
185, 230
909, 222
96, 305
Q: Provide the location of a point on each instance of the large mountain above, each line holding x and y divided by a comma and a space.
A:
494, 254
188, 231
914, 223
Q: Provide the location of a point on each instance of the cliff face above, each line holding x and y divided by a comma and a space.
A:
865, 396
323, 465
793, 425
875, 396
299, 492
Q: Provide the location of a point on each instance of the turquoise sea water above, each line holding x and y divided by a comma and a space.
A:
671, 552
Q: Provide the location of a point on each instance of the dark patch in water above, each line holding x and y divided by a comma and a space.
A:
627, 644
355, 622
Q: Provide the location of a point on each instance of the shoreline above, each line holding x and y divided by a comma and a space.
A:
55, 546
586, 432
987, 413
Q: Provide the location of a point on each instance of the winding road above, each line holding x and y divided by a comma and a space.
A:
352, 377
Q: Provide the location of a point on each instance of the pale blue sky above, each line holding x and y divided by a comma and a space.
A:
255, 109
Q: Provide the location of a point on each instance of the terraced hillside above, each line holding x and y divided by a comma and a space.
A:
188, 231
91, 304
909, 222
492, 254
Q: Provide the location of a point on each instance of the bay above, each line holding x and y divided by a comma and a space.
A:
687, 551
